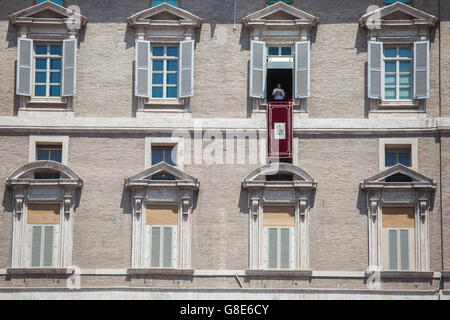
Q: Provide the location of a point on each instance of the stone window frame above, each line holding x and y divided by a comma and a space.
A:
26, 191
164, 32
47, 30
417, 194
35, 140
413, 142
299, 193
177, 142
144, 191
397, 33
289, 32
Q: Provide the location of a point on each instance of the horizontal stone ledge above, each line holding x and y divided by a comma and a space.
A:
402, 274
160, 271
40, 271
278, 273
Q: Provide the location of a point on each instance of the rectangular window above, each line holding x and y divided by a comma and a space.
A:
397, 154
60, 2
162, 224
398, 238
279, 51
171, 2
164, 71
163, 154
388, 2
278, 222
47, 75
397, 73
49, 152
271, 2
43, 225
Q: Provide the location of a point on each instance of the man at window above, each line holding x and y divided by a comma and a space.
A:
278, 93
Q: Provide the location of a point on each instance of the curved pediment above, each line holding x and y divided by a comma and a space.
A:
162, 174
398, 175
164, 14
280, 12
45, 12
26, 173
257, 178
398, 14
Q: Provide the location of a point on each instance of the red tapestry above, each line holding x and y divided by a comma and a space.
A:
279, 129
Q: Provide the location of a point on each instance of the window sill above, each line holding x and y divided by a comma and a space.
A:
403, 274
56, 100
279, 273
176, 102
40, 271
160, 271
399, 104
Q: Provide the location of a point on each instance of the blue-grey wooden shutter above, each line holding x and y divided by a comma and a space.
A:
186, 69
284, 248
422, 70
36, 246
24, 66
404, 249
375, 67
48, 246
155, 246
302, 69
69, 67
167, 247
257, 68
392, 249
142, 73
272, 248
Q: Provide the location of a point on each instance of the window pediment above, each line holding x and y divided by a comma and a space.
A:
381, 180
397, 15
164, 15
46, 13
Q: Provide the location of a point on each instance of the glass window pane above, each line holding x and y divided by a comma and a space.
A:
39, 91
273, 51
55, 64
405, 80
390, 80
168, 156
172, 2
157, 92
172, 78
41, 64
404, 158
55, 49
390, 159
390, 66
390, 52
172, 65
405, 93
405, 66
41, 49
172, 51
390, 93
157, 78
158, 51
56, 155
55, 91
286, 51
172, 92
41, 77
157, 156
43, 154
405, 52
55, 77
158, 65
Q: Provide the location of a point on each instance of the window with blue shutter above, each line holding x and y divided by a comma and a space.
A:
171, 2
59, 2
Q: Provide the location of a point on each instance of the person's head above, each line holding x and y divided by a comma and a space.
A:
279, 86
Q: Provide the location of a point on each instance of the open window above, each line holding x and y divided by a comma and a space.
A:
285, 63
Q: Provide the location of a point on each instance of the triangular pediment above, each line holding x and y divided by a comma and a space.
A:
280, 11
398, 11
165, 12
399, 174
46, 10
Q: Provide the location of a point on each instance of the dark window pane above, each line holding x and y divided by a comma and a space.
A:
168, 157
398, 177
52, 175
157, 156
56, 50
391, 159
56, 155
43, 155
41, 49
404, 158
163, 176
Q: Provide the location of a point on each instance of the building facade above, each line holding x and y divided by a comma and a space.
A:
134, 149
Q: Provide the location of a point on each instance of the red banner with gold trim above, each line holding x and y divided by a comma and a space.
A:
279, 129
